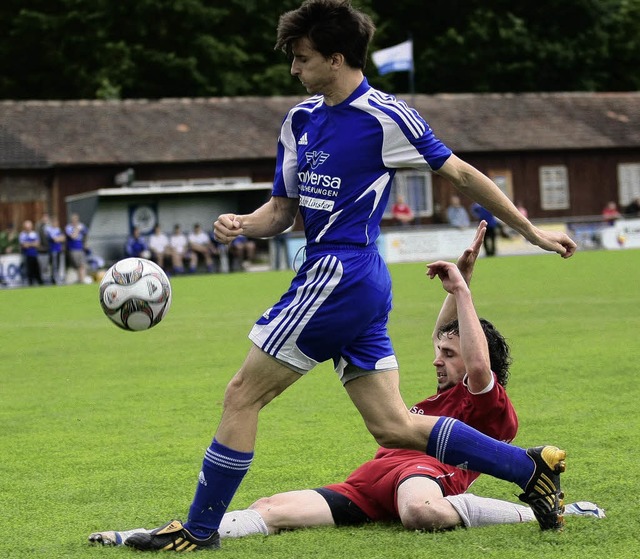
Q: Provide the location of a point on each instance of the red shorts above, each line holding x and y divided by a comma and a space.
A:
373, 487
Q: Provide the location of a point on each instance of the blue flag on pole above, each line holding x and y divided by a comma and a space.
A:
398, 58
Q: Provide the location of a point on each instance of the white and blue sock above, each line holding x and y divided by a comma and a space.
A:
455, 443
223, 469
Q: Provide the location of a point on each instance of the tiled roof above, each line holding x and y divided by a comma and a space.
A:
59, 133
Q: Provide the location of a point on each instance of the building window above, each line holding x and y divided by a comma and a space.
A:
554, 187
628, 182
504, 181
416, 189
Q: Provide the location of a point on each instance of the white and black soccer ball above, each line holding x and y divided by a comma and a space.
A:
135, 294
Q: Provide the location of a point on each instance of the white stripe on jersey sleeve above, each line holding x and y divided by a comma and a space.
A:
411, 119
397, 150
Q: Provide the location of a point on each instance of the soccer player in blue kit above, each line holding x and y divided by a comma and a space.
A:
337, 155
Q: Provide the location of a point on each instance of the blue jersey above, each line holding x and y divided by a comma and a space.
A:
340, 161
53, 233
78, 242
29, 237
343, 198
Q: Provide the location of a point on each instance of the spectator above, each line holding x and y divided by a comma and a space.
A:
200, 245
457, 215
402, 212
29, 244
56, 238
9, 241
610, 212
179, 245
136, 245
481, 213
242, 251
281, 250
159, 246
76, 233
41, 228
522, 209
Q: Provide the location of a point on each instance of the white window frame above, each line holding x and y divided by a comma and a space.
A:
628, 182
554, 187
420, 202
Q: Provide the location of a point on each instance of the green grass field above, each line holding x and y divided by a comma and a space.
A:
106, 429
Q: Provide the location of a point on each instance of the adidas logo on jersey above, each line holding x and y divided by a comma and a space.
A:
303, 141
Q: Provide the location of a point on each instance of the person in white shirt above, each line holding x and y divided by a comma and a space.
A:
179, 245
200, 245
159, 246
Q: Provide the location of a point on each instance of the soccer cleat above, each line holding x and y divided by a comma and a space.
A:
584, 508
113, 537
542, 493
173, 536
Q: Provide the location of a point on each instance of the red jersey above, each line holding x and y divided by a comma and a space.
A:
373, 486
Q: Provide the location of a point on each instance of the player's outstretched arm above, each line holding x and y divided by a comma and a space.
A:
477, 186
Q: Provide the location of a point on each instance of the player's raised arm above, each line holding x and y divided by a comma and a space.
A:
466, 263
270, 219
474, 348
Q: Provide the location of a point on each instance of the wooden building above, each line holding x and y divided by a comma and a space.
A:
562, 155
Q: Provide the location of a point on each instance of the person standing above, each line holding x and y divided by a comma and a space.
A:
76, 233
30, 244
321, 316
483, 214
56, 242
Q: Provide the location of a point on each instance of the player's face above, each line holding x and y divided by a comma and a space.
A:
312, 69
450, 369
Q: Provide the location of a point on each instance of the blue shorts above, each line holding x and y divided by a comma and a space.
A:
336, 308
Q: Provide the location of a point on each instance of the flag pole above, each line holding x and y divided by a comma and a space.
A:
412, 74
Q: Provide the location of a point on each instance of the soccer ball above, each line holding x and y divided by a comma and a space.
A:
135, 294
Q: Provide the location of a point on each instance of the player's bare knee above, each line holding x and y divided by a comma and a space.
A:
261, 505
424, 516
268, 509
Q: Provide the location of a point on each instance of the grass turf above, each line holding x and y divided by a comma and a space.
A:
106, 429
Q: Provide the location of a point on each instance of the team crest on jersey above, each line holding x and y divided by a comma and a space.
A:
316, 158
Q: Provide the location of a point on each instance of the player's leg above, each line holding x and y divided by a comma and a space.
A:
284, 511
377, 397
260, 379
422, 506
483, 511
535, 470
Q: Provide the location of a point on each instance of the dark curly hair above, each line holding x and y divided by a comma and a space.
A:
331, 26
499, 351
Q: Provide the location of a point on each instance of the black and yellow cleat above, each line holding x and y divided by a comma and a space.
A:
543, 493
173, 536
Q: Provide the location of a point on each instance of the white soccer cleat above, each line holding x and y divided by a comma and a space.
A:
584, 508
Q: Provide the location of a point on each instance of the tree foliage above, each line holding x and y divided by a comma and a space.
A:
71, 49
